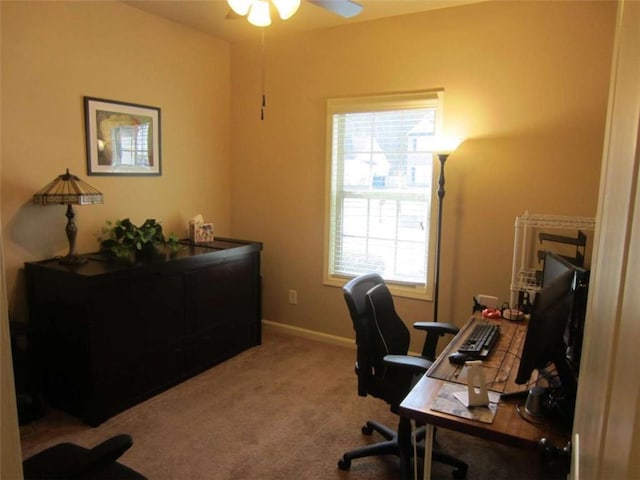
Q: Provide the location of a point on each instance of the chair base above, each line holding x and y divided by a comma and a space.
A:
392, 446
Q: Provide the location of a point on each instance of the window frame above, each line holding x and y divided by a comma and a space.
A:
378, 103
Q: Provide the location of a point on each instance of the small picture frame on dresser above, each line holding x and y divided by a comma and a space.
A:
201, 232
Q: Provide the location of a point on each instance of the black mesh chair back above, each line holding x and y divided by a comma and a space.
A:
355, 292
388, 335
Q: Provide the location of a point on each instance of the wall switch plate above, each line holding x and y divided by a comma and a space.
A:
293, 297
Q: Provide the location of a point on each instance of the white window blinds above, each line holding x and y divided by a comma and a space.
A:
380, 188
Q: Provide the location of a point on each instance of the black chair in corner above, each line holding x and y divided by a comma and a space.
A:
69, 461
386, 371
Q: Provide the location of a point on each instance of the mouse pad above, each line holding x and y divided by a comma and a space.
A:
446, 402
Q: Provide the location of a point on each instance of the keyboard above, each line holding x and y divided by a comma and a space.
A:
481, 340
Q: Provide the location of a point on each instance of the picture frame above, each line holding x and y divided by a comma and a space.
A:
122, 138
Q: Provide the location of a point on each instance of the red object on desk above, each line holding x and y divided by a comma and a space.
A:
491, 313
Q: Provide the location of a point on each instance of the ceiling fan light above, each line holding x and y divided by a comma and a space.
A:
241, 7
286, 8
259, 13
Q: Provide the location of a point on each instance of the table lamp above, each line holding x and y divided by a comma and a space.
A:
68, 189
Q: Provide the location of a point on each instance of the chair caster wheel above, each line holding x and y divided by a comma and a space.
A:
344, 464
367, 430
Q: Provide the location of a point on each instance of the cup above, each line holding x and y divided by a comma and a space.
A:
533, 405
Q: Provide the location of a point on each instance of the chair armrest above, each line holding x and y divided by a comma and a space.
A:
104, 454
111, 449
434, 330
70, 461
437, 327
408, 363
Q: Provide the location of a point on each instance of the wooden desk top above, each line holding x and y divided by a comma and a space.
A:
508, 426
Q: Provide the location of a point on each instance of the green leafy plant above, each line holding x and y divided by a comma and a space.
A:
124, 238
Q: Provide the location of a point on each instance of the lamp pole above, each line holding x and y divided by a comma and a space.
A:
436, 287
71, 231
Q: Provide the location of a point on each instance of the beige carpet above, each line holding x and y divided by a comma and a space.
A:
287, 409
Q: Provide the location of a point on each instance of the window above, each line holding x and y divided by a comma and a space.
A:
379, 190
132, 144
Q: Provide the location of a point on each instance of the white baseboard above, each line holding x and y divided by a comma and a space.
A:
285, 329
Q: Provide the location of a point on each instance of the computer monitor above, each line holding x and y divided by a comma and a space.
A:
545, 341
555, 265
575, 329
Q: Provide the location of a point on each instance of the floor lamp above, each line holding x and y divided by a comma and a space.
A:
446, 148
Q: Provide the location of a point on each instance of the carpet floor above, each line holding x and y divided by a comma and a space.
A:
287, 409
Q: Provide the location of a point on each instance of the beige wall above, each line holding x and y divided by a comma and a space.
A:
526, 84
53, 54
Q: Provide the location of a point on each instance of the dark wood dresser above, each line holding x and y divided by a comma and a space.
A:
107, 335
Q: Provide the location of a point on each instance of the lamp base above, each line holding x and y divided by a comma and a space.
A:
72, 260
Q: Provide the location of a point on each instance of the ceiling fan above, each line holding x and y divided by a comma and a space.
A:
258, 11
344, 8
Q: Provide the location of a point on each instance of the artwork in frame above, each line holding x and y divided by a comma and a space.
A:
122, 138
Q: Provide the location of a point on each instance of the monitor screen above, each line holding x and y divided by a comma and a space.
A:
544, 342
554, 266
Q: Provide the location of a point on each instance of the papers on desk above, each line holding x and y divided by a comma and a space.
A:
446, 402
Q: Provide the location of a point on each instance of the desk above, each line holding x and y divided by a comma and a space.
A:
501, 366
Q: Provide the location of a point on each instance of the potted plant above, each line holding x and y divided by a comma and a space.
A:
127, 240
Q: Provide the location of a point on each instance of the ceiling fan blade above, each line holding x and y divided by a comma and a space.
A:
344, 8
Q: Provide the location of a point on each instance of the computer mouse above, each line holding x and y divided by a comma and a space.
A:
459, 358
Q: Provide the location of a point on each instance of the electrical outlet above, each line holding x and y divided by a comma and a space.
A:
293, 297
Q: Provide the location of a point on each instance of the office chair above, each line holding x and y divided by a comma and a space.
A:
69, 461
386, 371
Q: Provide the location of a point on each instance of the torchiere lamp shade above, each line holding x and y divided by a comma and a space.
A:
68, 189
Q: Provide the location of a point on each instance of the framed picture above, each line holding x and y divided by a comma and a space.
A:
122, 138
